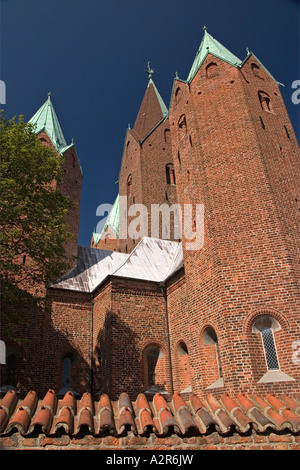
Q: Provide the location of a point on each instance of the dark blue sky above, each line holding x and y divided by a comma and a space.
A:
91, 54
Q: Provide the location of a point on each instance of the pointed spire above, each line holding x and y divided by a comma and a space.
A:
210, 45
152, 109
46, 119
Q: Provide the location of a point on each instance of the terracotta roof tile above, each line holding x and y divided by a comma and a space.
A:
21, 418
125, 418
202, 417
163, 420
223, 419
243, 422
7, 406
74, 417
106, 416
144, 416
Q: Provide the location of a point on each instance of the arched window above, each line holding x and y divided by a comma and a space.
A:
266, 325
152, 357
177, 94
211, 340
211, 70
183, 367
129, 186
269, 347
265, 101
13, 361
182, 124
66, 376
170, 174
66, 372
167, 135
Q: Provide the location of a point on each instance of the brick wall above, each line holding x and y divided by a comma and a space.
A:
224, 159
129, 316
213, 441
69, 333
71, 187
146, 163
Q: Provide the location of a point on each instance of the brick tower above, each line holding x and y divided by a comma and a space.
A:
147, 172
25, 360
49, 131
235, 152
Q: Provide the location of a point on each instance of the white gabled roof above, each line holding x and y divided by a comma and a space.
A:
151, 260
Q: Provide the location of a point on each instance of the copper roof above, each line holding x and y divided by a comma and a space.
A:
51, 416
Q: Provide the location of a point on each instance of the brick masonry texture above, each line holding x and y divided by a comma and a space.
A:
233, 149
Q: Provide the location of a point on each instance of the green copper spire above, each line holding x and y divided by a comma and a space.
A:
210, 45
45, 119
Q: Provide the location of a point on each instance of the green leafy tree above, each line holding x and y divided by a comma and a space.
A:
32, 220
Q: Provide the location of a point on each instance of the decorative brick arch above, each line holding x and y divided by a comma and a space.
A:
278, 325
250, 319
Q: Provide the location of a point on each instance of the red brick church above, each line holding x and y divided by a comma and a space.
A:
150, 315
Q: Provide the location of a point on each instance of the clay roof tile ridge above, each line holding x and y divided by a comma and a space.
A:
241, 419
183, 414
224, 422
23, 414
201, 415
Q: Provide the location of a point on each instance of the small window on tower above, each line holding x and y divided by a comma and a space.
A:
170, 173
129, 186
167, 135
211, 70
182, 123
265, 102
177, 94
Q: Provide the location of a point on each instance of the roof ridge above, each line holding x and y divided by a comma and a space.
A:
46, 119
210, 45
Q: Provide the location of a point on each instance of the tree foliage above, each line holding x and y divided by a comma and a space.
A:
33, 216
